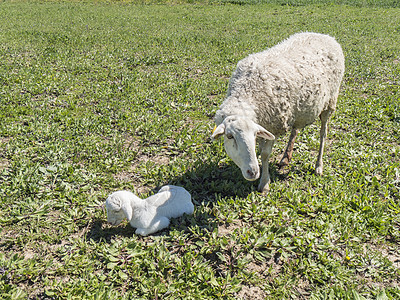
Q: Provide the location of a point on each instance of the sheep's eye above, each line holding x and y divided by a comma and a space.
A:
229, 136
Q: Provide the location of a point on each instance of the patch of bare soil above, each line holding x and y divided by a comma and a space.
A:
372, 251
226, 229
259, 268
265, 270
162, 157
392, 255
4, 164
5, 140
251, 293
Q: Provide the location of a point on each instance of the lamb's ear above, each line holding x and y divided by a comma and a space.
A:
113, 202
218, 131
127, 208
264, 133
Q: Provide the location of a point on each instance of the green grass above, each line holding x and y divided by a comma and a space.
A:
98, 97
355, 3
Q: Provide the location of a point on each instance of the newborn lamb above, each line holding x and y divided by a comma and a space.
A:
152, 214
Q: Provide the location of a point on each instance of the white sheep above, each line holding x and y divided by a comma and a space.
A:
285, 87
151, 214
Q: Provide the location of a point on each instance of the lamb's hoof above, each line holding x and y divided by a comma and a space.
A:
141, 231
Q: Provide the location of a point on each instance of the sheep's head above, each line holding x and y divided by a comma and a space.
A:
118, 207
240, 135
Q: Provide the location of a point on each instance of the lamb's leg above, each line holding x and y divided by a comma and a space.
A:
266, 149
325, 115
157, 225
287, 156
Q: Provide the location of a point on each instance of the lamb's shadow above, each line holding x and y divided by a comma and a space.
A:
100, 231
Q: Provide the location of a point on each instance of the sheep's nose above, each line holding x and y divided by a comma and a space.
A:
251, 173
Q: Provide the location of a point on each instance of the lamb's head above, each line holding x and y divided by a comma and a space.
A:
240, 135
118, 207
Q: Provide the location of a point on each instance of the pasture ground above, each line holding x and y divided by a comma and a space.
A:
102, 96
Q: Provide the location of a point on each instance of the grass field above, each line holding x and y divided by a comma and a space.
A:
96, 97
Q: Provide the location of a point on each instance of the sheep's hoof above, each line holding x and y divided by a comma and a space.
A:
319, 171
283, 163
263, 188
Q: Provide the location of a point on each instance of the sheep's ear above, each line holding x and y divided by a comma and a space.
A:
218, 131
265, 134
127, 209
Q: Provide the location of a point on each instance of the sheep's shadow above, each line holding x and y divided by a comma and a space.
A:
206, 182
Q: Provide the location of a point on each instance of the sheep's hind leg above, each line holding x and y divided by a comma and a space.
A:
325, 115
287, 156
266, 149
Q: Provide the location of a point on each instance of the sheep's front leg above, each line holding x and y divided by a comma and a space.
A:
323, 133
287, 156
266, 149
156, 225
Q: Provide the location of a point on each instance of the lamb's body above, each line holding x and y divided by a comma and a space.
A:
286, 87
151, 214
